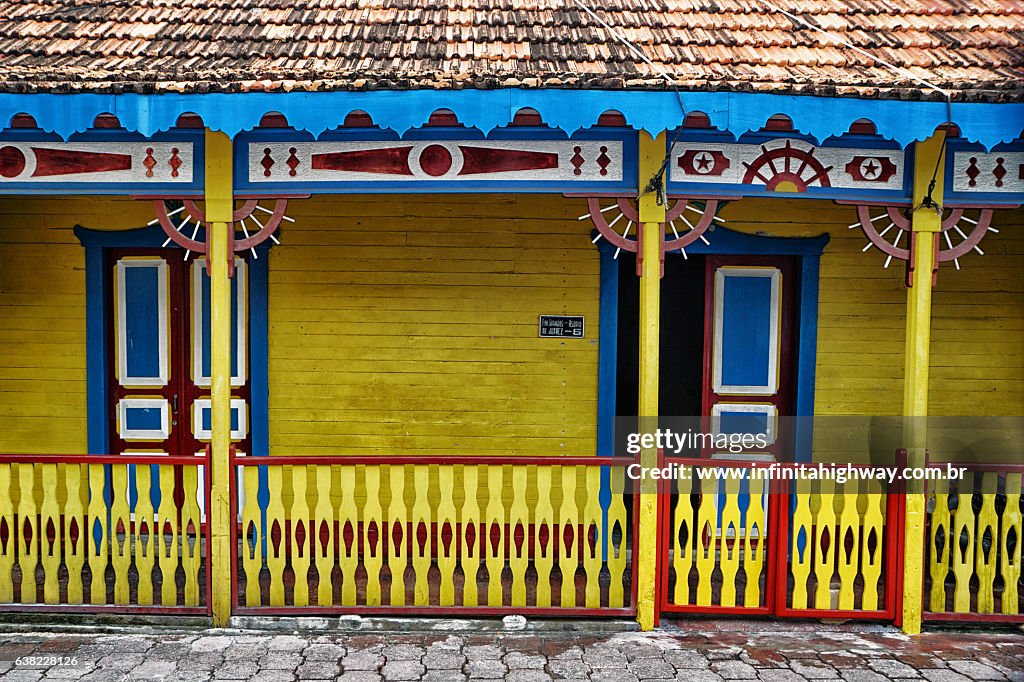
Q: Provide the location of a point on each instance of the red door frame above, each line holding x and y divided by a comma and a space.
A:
789, 292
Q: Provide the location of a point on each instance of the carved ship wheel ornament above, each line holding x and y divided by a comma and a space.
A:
888, 228
182, 225
623, 209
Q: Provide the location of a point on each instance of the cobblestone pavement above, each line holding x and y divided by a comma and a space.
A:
701, 652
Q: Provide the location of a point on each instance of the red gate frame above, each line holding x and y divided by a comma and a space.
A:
777, 560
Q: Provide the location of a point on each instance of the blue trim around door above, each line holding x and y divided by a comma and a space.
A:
607, 349
97, 300
722, 242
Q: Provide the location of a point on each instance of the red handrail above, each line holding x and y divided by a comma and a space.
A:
181, 460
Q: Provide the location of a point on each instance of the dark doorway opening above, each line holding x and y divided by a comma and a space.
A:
682, 336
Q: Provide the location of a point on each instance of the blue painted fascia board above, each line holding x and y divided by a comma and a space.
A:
567, 110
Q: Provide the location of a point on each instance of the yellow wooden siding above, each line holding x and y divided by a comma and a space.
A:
977, 362
977, 365
408, 324
42, 317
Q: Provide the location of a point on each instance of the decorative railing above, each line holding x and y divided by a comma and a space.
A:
495, 535
739, 543
491, 534
973, 543
122, 533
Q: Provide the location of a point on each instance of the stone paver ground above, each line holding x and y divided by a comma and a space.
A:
706, 651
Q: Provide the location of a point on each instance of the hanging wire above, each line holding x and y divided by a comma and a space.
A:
656, 185
927, 201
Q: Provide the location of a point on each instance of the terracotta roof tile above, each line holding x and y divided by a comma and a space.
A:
971, 47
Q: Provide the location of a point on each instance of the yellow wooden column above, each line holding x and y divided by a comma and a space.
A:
219, 207
652, 215
926, 224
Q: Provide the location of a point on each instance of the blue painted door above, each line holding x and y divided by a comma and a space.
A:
160, 355
748, 350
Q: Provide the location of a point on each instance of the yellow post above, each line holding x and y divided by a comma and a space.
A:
652, 215
219, 207
926, 223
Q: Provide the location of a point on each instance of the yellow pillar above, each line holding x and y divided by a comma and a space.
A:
926, 223
652, 153
219, 207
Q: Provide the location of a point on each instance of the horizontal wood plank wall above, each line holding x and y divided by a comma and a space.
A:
408, 324
977, 363
42, 317
978, 313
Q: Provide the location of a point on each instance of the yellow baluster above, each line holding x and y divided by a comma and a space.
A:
348, 552
871, 558
190, 534
592, 536
422, 519
707, 540
826, 545
97, 529
447, 526
683, 520
729, 560
398, 559
28, 533
49, 532
168, 538
74, 531
939, 557
985, 562
1009, 561
755, 537
8, 540
373, 522
299, 548
120, 532
518, 523
848, 555
543, 554
471, 551
494, 552
568, 518
963, 559
252, 534
801, 542
617, 527
143, 536
276, 551
322, 531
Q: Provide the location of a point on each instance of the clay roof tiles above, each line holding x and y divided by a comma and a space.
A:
970, 47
